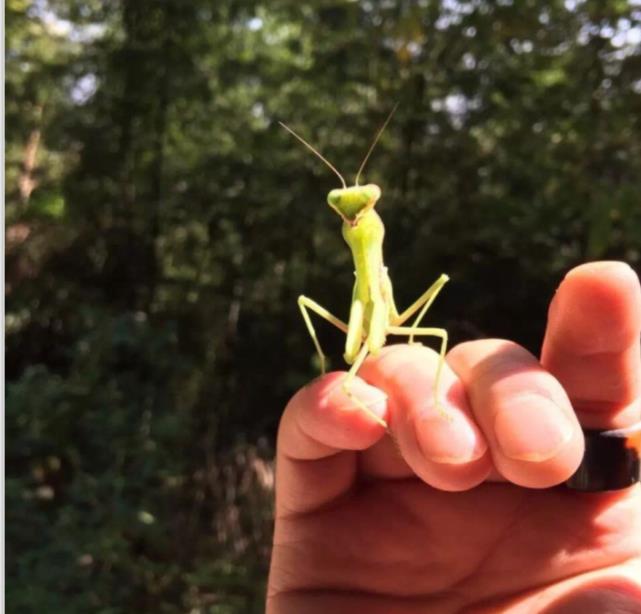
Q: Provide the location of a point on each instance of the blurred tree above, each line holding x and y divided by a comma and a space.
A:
160, 226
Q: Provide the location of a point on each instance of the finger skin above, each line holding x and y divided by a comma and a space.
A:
592, 343
527, 418
444, 448
319, 434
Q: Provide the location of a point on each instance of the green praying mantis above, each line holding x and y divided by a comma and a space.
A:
373, 314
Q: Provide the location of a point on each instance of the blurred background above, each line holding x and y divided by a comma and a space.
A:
160, 226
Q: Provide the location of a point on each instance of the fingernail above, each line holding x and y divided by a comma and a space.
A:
361, 397
532, 428
450, 439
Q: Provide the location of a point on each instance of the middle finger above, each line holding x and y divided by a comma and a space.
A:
444, 448
534, 435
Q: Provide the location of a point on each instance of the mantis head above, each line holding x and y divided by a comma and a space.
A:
351, 203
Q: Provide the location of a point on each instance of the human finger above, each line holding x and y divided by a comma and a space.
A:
592, 343
444, 447
319, 434
526, 416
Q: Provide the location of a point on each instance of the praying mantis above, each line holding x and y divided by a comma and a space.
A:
373, 314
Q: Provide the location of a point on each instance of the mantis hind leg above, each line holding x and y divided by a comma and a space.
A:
347, 385
411, 331
305, 303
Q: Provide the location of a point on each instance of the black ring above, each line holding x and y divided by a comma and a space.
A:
611, 461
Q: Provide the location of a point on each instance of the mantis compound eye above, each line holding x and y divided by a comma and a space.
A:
334, 198
372, 191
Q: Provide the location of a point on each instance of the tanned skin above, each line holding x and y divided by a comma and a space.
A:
464, 515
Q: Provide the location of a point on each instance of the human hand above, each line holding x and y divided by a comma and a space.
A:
461, 514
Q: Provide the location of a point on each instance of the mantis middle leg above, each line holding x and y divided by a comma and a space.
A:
305, 303
410, 331
424, 302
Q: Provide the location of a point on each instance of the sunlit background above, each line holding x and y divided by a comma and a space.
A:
160, 225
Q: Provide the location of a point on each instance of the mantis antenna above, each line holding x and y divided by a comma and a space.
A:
304, 142
371, 148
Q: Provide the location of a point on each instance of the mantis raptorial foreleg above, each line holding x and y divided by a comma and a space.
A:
428, 332
349, 378
305, 303
354, 331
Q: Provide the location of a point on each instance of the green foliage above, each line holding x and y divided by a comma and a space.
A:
160, 226
98, 476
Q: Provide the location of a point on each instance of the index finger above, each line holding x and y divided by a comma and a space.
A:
592, 343
318, 437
